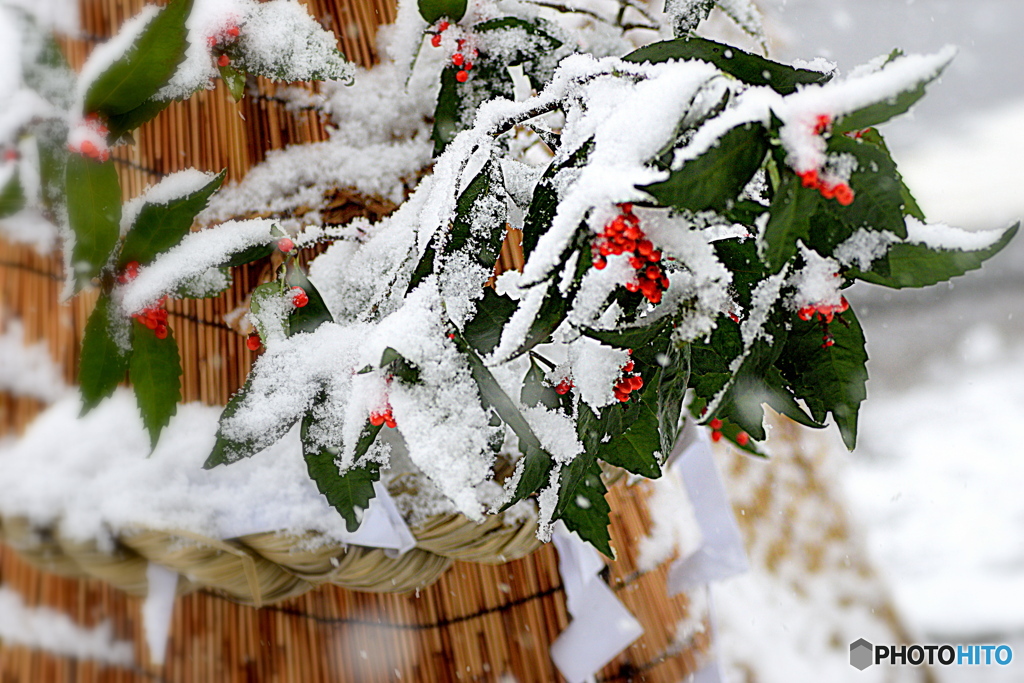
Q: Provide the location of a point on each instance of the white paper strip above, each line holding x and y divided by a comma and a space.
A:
721, 553
601, 626
158, 608
382, 526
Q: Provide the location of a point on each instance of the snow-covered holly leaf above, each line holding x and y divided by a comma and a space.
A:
268, 313
234, 80
447, 113
740, 257
349, 493
160, 226
481, 215
828, 379
103, 363
433, 11
544, 204
878, 199
582, 505
913, 264
280, 40
12, 197
398, 366
155, 371
890, 105
227, 450
53, 155
714, 179
94, 211
314, 314
145, 67
537, 465
483, 332
747, 67
209, 284
789, 222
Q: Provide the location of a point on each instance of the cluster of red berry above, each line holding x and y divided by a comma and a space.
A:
385, 417
623, 234
464, 54
716, 433
841, 192
86, 146
226, 35
628, 382
155, 318
824, 312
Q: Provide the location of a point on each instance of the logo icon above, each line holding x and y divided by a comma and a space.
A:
861, 654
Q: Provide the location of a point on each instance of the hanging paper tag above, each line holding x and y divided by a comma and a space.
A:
162, 588
721, 553
601, 625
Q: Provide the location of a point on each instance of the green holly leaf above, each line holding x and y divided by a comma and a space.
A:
433, 11
878, 202
918, 265
629, 337
209, 284
314, 313
94, 211
740, 257
120, 125
12, 197
537, 466
672, 383
155, 370
249, 255
103, 364
537, 391
268, 316
483, 332
634, 448
910, 205
447, 116
789, 223
349, 493
158, 227
828, 379
747, 67
582, 504
146, 66
715, 179
398, 366
235, 80
880, 112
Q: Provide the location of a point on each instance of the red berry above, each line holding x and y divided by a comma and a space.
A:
467, 66
743, 438
628, 367
390, 421
233, 32
806, 313
636, 262
844, 195
809, 178
828, 191
458, 58
435, 40
600, 264
253, 342
443, 26
665, 282
376, 419
716, 423
462, 76
654, 256
843, 303
716, 436
622, 396
223, 60
299, 297
626, 207
653, 273
285, 244
636, 382
161, 331
632, 286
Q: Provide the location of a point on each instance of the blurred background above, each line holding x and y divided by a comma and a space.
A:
936, 481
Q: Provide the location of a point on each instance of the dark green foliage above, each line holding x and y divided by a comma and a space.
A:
155, 370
